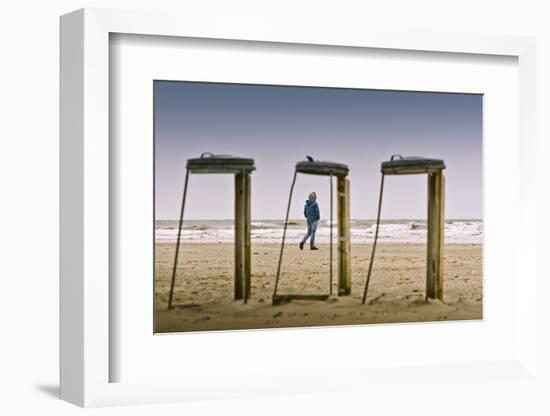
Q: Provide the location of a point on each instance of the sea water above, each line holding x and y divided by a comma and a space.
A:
459, 231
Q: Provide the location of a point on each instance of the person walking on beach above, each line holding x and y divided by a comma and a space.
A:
312, 214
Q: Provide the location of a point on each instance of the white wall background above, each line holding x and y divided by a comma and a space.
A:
29, 187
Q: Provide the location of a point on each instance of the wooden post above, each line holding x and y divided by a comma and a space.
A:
442, 237
436, 224
344, 263
240, 256
247, 220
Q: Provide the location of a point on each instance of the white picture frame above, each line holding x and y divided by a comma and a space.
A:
85, 219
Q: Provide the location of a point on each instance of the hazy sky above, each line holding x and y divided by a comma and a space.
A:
278, 126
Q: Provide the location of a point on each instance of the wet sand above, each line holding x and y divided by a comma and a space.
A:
203, 297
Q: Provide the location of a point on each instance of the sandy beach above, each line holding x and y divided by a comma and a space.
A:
204, 289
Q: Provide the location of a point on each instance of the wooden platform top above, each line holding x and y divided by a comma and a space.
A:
321, 167
211, 163
399, 165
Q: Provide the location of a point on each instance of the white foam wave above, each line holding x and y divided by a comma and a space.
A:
456, 232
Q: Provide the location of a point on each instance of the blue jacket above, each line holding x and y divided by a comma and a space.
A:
311, 211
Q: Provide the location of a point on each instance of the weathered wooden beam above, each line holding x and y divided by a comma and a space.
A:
247, 222
442, 237
344, 258
240, 256
436, 223
432, 265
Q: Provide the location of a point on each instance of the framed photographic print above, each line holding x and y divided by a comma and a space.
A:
232, 270
250, 212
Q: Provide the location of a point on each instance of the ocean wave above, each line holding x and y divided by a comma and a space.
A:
259, 225
362, 231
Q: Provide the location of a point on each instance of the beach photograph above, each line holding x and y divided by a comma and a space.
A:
290, 206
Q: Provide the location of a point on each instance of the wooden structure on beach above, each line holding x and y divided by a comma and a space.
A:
242, 169
399, 165
340, 171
